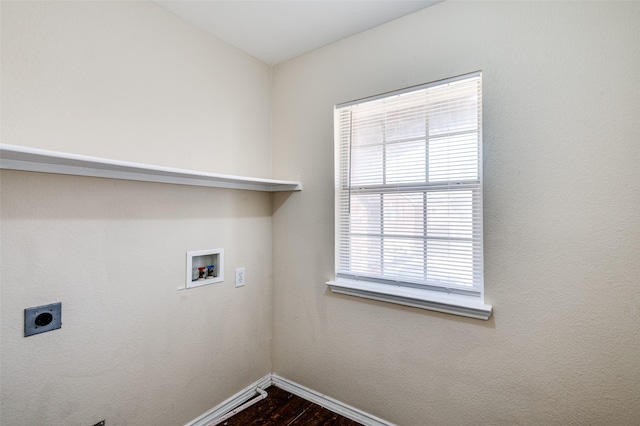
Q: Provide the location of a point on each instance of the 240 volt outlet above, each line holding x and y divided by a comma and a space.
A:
40, 319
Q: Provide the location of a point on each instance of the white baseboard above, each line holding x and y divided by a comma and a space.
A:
328, 402
294, 388
236, 400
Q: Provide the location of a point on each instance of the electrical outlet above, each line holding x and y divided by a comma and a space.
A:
40, 319
240, 277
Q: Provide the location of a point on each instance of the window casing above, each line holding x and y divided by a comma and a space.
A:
409, 193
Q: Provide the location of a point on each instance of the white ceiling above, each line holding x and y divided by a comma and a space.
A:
274, 31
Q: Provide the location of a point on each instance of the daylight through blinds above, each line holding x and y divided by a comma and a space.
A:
409, 187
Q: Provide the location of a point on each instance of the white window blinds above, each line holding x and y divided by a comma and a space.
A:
409, 187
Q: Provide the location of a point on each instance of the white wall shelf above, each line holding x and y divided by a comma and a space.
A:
15, 157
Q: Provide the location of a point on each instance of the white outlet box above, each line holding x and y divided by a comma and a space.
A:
240, 277
204, 267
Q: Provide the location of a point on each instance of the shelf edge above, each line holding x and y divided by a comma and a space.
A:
13, 157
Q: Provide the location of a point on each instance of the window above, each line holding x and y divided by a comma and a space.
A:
409, 197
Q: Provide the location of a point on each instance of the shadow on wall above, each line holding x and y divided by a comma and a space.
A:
490, 323
28, 195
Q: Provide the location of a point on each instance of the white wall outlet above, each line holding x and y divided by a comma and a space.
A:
240, 277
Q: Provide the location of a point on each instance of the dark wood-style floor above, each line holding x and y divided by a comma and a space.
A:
281, 408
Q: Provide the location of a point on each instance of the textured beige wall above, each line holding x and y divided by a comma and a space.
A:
131, 81
131, 349
128, 80
562, 224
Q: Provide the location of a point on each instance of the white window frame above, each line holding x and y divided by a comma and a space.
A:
452, 299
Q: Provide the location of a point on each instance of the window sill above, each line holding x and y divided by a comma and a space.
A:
466, 306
